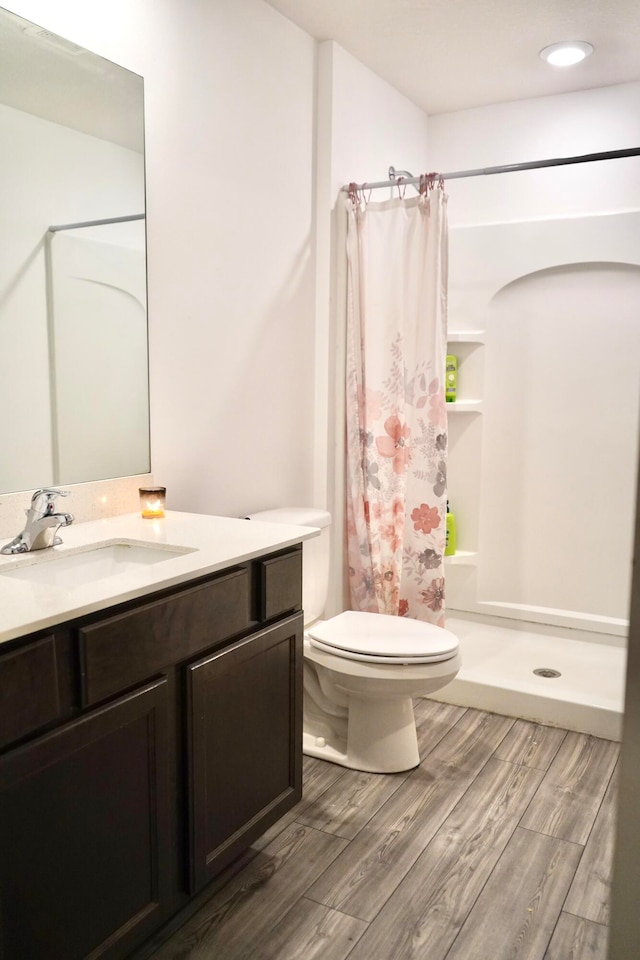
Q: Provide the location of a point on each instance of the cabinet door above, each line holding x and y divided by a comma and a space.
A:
245, 744
84, 834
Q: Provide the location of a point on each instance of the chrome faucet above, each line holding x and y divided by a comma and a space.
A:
42, 523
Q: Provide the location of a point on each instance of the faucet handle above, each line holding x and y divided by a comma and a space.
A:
48, 495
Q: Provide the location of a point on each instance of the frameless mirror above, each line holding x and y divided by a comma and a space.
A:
74, 398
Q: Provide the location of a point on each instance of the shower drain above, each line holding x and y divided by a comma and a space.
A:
547, 672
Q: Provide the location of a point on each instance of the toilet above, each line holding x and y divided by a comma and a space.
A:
362, 670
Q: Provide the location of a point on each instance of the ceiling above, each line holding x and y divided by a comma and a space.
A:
449, 55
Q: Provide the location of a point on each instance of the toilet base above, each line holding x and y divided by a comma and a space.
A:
381, 739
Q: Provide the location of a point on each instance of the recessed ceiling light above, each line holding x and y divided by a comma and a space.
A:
566, 53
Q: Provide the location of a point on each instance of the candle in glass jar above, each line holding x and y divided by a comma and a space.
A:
152, 501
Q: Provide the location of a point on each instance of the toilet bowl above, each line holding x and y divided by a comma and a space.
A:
362, 670
358, 703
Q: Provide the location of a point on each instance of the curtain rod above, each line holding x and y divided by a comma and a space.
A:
96, 223
395, 181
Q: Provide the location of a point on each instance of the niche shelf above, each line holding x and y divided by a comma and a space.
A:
464, 406
466, 336
462, 558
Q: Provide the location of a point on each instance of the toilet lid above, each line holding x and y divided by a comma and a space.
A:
379, 638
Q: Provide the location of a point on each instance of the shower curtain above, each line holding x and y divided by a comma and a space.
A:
395, 402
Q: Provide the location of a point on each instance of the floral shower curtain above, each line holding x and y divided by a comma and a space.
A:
395, 403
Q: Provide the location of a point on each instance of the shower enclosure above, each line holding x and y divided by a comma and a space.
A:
543, 453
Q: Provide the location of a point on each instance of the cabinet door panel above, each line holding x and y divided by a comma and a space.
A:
84, 833
245, 743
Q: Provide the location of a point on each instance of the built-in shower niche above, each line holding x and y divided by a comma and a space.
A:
464, 424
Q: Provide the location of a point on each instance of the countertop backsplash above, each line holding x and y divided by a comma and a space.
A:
87, 501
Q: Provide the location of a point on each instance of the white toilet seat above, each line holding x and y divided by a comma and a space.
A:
372, 658
379, 638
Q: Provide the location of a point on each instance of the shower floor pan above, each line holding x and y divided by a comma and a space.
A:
497, 674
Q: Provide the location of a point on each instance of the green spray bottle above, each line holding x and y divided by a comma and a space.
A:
450, 531
451, 378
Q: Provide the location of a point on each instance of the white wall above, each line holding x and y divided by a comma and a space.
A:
372, 126
567, 125
625, 921
229, 99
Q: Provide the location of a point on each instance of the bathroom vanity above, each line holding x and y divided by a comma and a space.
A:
150, 724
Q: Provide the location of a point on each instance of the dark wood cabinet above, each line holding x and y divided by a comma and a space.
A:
119, 651
245, 731
35, 686
84, 834
141, 751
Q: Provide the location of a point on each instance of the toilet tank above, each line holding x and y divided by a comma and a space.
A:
315, 554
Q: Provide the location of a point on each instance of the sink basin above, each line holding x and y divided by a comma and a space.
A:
87, 566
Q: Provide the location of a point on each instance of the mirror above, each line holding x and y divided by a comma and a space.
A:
74, 397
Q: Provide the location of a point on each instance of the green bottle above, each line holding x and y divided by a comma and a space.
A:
451, 378
450, 531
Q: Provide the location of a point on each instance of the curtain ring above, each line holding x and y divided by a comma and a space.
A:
353, 193
429, 181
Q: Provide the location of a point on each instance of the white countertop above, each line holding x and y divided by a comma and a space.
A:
211, 544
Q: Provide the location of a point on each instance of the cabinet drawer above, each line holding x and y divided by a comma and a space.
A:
280, 585
133, 646
29, 692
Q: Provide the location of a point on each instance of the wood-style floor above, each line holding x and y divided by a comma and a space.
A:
499, 845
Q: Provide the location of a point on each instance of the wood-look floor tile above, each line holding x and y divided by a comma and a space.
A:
347, 805
311, 932
362, 878
432, 723
570, 795
317, 776
515, 915
533, 744
236, 920
423, 868
577, 939
426, 912
589, 893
